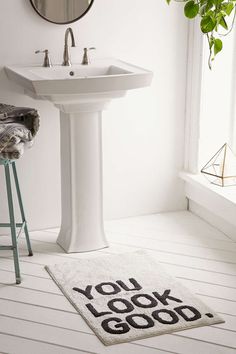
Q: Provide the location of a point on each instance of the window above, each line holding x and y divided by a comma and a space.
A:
210, 122
211, 100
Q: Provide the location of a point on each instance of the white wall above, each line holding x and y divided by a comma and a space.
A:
142, 133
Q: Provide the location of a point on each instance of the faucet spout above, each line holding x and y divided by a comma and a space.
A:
66, 56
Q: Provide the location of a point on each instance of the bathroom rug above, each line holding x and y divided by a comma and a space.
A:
126, 297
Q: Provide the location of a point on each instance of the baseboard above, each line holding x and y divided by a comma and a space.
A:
213, 219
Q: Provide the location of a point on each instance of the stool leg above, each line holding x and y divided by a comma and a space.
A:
13, 224
22, 209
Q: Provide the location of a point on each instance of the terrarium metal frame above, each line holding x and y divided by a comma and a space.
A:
221, 176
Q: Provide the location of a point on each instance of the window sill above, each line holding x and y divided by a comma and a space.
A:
218, 201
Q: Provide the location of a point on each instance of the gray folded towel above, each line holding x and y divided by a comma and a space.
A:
18, 127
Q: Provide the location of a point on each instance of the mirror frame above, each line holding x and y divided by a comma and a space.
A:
62, 23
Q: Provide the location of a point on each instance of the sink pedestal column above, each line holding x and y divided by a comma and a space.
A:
81, 181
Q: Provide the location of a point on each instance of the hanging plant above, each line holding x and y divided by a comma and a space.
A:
216, 20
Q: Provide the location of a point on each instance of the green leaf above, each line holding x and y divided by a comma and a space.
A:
229, 8
211, 42
209, 4
208, 24
191, 9
218, 45
223, 23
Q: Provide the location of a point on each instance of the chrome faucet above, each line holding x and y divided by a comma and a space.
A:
66, 57
46, 61
85, 60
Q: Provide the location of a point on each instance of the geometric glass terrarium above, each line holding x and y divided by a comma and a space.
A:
221, 169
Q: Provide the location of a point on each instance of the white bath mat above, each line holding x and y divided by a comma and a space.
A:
129, 296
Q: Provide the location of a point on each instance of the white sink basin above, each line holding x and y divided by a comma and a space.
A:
81, 93
105, 75
77, 72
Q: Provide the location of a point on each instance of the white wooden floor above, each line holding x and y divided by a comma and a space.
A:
36, 318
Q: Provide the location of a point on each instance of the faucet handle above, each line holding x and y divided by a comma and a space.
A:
47, 61
85, 60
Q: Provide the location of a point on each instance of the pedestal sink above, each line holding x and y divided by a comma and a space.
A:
81, 93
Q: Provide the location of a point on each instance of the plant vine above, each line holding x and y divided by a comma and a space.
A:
217, 19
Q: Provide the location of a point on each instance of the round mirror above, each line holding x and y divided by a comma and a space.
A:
61, 11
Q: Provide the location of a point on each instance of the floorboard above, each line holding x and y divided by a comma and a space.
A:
36, 318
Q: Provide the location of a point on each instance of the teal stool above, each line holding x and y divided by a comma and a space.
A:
13, 225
